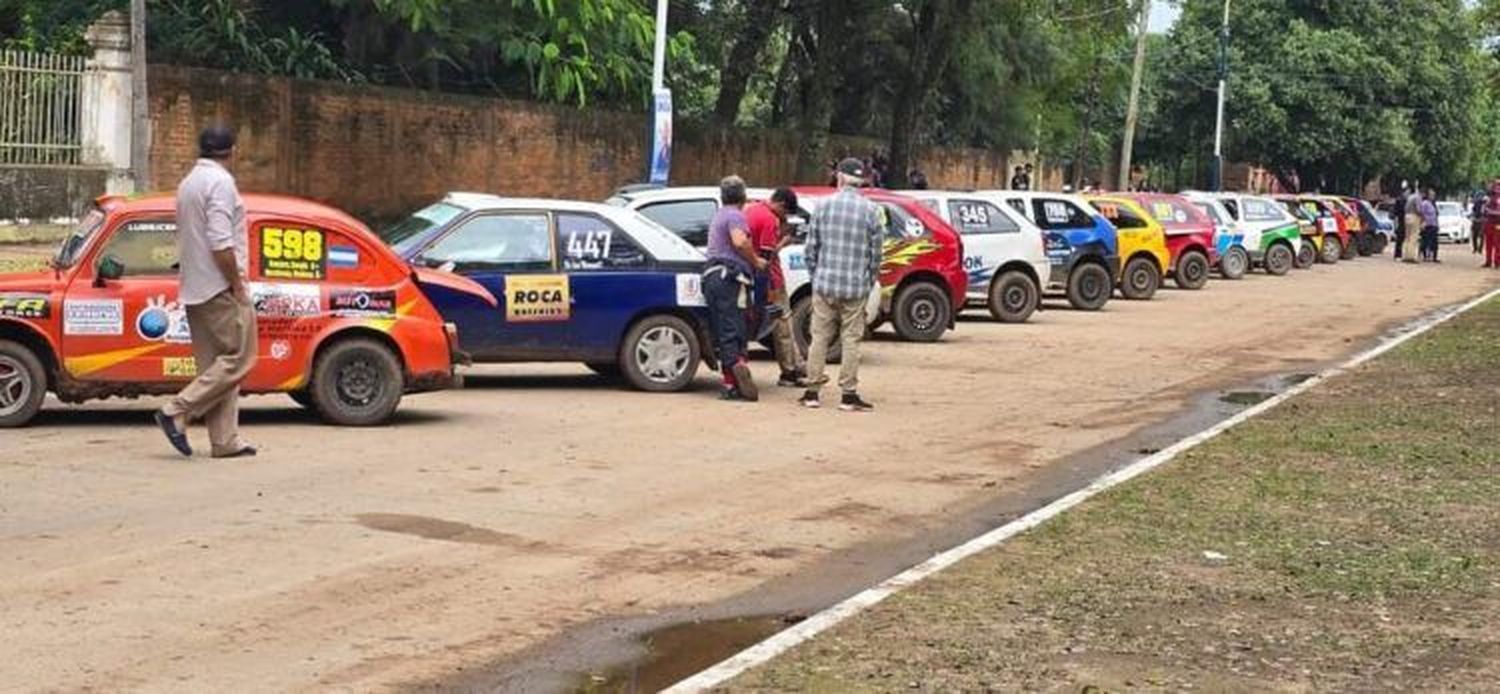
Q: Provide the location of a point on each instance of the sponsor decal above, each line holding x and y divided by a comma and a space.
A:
286, 300
363, 303
796, 261
1057, 212
904, 253
179, 367
690, 290
280, 350
25, 306
296, 254
343, 256
163, 320
93, 317
536, 298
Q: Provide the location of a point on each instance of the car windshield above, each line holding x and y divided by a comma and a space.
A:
1452, 209
407, 233
73, 246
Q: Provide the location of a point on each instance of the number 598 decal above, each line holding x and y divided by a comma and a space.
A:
292, 253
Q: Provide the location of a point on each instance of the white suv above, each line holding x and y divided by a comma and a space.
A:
1005, 255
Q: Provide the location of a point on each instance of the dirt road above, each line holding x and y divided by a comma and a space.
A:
541, 498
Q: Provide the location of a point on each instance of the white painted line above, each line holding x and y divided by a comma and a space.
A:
818, 623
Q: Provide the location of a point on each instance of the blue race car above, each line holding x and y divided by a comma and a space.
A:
575, 281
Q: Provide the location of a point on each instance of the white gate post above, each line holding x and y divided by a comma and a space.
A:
106, 102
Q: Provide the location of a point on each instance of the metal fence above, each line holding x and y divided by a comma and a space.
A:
41, 98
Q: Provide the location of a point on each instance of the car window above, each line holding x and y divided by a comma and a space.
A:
401, 235
686, 218
897, 223
508, 242
1213, 212
1262, 211
145, 247
1018, 205
1450, 208
73, 246
1121, 216
979, 217
1173, 213
1052, 213
1233, 206
587, 242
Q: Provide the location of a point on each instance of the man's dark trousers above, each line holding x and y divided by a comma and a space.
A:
726, 318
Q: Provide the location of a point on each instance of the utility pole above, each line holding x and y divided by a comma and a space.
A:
1128, 145
1217, 178
140, 116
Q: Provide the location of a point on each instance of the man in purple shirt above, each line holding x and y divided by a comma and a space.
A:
727, 283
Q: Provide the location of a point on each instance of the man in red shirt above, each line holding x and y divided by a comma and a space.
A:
767, 222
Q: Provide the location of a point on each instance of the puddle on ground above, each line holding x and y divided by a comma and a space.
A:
680, 651
1246, 397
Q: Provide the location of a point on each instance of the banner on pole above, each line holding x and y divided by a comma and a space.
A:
661, 137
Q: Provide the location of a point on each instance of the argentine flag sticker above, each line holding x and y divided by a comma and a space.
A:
343, 256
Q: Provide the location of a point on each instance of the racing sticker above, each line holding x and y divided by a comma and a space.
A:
280, 350
1055, 212
343, 256
163, 320
25, 306
973, 216
285, 300
179, 367
289, 253
93, 317
690, 290
363, 303
536, 298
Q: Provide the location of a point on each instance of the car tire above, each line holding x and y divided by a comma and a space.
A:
23, 384
1141, 279
607, 369
1351, 251
802, 332
921, 312
356, 382
1333, 250
660, 354
1192, 270
1379, 244
1090, 287
1234, 263
1279, 259
1014, 296
1366, 244
1307, 255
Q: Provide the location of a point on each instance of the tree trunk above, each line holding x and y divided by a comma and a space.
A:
935, 28
817, 109
761, 19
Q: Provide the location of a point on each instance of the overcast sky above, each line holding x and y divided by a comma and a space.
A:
1163, 14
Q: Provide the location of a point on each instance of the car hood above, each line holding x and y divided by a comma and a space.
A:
41, 281
447, 280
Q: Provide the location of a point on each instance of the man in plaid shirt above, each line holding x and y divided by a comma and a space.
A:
843, 257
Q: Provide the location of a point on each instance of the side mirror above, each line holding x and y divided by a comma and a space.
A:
110, 268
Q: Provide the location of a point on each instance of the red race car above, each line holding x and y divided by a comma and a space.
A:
344, 327
1190, 236
922, 275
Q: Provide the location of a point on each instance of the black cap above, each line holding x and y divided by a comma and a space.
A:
852, 166
215, 141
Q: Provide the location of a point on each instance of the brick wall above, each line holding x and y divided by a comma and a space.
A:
379, 152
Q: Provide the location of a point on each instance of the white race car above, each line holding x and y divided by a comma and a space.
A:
1004, 252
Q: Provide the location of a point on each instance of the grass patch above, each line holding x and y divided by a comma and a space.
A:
1360, 525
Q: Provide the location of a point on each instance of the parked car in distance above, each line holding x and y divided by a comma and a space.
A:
1143, 245
344, 325
1272, 236
1453, 222
570, 281
1082, 247
1229, 238
1004, 253
1312, 231
1189, 236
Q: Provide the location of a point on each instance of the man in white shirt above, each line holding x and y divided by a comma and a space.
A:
213, 263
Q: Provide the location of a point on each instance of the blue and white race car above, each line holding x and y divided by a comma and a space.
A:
575, 281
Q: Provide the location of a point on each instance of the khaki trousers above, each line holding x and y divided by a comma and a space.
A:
844, 318
224, 346
1409, 244
788, 357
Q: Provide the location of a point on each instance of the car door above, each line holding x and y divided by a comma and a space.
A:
511, 255
991, 238
132, 328
612, 281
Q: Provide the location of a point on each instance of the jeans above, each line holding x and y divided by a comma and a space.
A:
1429, 243
726, 313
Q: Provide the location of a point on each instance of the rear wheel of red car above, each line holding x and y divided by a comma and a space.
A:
23, 384
1089, 287
1192, 270
1142, 278
356, 382
660, 354
921, 312
1279, 259
1013, 297
1235, 263
1307, 254
1333, 249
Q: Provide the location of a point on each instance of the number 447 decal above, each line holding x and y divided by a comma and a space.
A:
589, 245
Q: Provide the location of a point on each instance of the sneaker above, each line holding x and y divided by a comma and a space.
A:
732, 395
789, 379
851, 402
745, 382
810, 400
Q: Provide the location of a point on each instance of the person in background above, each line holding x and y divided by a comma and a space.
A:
1492, 227
769, 231
1026, 173
1429, 214
843, 257
1476, 224
1018, 180
727, 283
212, 255
917, 179
1413, 227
